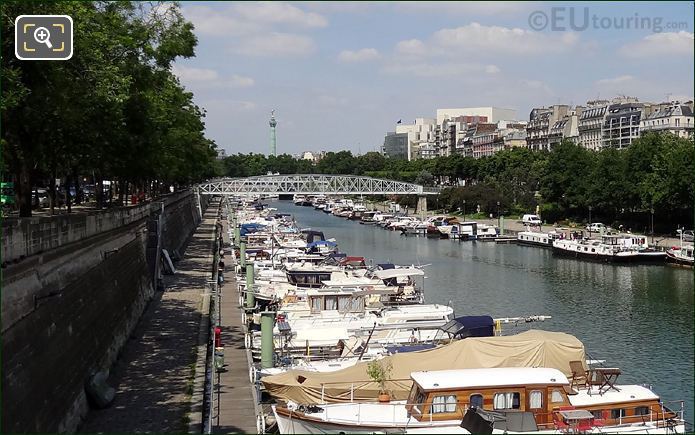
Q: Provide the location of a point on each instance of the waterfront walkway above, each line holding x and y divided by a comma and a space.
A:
153, 376
234, 400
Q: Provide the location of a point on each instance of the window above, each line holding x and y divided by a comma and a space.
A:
535, 399
506, 401
331, 302
617, 413
476, 400
443, 404
557, 397
597, 413
642, 410
315, 304
344, 304
418, 400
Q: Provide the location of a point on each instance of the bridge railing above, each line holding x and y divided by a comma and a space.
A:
313, 184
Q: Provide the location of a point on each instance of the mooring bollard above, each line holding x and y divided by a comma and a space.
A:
250, 299
267, 320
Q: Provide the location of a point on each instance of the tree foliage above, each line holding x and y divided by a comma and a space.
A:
114, 111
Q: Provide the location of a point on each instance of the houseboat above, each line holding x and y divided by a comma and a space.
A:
611, 248
536, 238
440, 401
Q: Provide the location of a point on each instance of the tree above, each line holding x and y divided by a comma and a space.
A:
114, 110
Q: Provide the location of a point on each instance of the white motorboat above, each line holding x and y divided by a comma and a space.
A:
681, 256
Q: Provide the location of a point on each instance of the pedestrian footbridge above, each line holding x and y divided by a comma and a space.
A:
311, 184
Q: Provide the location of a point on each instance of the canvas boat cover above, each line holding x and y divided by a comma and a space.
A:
533, 348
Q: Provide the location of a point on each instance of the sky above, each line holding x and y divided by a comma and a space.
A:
340, 75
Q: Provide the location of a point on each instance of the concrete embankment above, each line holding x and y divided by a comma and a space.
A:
74, 289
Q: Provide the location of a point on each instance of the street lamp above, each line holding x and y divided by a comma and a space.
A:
464, 209
589, 221
498, 213
652, 210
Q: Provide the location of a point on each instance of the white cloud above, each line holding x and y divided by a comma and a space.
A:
228, 105
240, 81
275, 44
362, 55
477, 38
536, 85
615, 80
447, 69
339, 7
660, 44
278, 13
204, 78
411, 47
464, 8
189, 74
331, 101
248, 18
214, 22
492, 69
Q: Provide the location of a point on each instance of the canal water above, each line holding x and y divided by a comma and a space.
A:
638, 318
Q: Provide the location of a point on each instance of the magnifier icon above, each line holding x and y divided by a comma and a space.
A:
43, 36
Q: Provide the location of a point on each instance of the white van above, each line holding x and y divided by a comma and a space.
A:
531, 219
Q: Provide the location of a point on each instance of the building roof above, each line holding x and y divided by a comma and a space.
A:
675, 110
492, 377
594, 112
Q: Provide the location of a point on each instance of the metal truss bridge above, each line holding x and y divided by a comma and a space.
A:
311, 184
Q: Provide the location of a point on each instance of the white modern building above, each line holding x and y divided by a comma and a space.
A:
421, 136
476, 114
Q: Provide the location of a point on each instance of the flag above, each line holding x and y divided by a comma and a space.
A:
399, 121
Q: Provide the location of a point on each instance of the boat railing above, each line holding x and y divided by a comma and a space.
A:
363, 415
353, 385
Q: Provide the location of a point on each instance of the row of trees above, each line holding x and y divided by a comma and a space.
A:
657, 172
113, 112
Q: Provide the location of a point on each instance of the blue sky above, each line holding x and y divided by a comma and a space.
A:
341, 74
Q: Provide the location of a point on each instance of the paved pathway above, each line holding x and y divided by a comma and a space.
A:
234, 411
153, 375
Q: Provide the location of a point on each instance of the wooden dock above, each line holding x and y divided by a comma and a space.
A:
235, 408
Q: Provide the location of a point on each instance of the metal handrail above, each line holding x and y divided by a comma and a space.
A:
214, 320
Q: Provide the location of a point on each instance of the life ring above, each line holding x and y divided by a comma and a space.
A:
243, 317
247, 341
252, 374
260, 424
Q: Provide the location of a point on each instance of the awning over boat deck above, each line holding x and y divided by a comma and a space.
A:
321, 243
398, 273
470, 326
532, 348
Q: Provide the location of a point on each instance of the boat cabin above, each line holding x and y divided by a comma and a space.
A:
546, 393
342, 299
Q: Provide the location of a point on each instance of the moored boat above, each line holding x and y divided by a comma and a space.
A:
681, 256
544, 397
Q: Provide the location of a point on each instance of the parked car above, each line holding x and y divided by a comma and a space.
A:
39, 198
531, 219
688, 235
596, 227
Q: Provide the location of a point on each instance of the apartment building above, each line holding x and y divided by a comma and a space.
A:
675, 118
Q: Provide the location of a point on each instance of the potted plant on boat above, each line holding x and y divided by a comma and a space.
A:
379, 372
